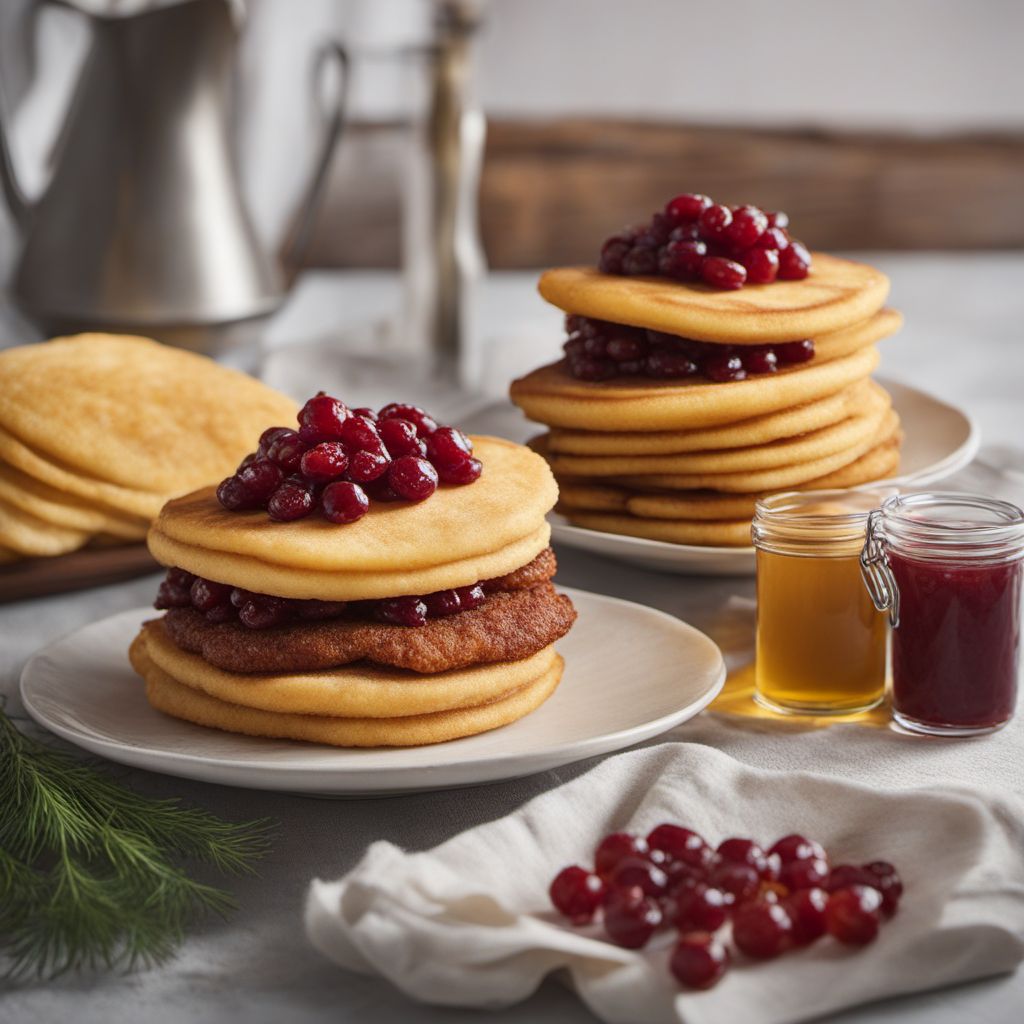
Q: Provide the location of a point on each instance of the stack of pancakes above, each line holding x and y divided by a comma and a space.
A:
97, 431
352, 680
685, 460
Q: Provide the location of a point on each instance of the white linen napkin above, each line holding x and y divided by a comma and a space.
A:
469, 923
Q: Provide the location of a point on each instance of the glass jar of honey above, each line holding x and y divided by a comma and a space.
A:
949, 569
821, 643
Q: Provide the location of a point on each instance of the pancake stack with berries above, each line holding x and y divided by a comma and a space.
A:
710, 359
368, 579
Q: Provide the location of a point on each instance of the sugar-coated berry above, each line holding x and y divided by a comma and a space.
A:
261, 611
681, 844
682, 259
741, 881
698, 960
358, 433
425, 423
795, 351
630, 917
324, 461
797, 847
471, 597
321, 418
853, 914
794, 262
207, 594
724, 367
641, 259
286, 450
639, 871
233, 495
686, 207
443, 603
460, 473
365, 466
747, 225
402, 611
806, 910
720, 272
700, 907
289, 502
412, 478
807, 873
762, 265
762, 930
613, 252
400, 438
344, 502
713, 222
448, 446
843, 875
886, 879
576, 893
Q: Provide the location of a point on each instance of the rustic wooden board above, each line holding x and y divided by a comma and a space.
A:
90, 567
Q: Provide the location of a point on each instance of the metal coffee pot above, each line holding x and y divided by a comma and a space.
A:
142, 226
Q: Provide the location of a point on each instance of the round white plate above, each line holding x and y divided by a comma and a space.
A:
940, 439
630, 673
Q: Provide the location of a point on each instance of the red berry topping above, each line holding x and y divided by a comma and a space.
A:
796, 847
724, 367
670, 365
748, 224
853, 916
286, 450
344, 502
686, 207
234, 495
206, 594
720, 272
460, 473
700, 907
804, 874
615, 847
260, 611
681, 844
402, 611
320, 419
412, 478
577, 894
641, 259
289, 502
444, 602
698, 960
448, 446
630, 917
759, 359
762, 930
806, 910
358, 433
773, 238
175, 590
325, 461
639, 871
713, 222
794, 262
472, 596
613, 252
683, 259
741, 881
260, 479
795, 351
423, 422
366, 466
843, 875
269, 436
762, 265
400, 438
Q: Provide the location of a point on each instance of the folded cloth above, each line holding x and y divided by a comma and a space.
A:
469, 923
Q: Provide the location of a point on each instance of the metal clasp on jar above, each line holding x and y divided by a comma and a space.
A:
878, 577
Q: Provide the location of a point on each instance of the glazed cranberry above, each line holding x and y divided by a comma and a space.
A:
234, 495
686, 207
381, 490
656, 231
773, 238
471, 597
778, 219
366, 413
844, 875
220, 613
613, 252
260, 479
314, 610
796, 847
261, 611
795, 351
207, 594
808, 873
286, 450
713, 222
444, 602
641, 259
625, 347
748, 224
412, 478
701, 907
269, 436
759, 359
630, 917
681, 844
592, 369
762, 930
344, 502
762, 265
448, 446
722, 273
741, 851
240, 596
247, 461
615, 847
576, 893
400, 438
723, 367
175, 590
741, 881
682, 259
320, 419
669, 365
461, 473
423, 422
359, 434
595, 345
326, 461
886, 879
806, 910
402, 611
289, 502
699, 960
639, 871
366, 466
794, 262
852, 915
632, 368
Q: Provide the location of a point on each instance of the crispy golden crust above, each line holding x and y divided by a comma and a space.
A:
509, 626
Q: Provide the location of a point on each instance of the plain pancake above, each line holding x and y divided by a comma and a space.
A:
696, 504
757, 430
133, 412
551, 395
837, 293
356, 691
704, 533
508, 626
457, 526
818, 444
50, 505
32, 537
173, 698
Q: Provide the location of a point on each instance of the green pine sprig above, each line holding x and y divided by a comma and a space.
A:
91, 872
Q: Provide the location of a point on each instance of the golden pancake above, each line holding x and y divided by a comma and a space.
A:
132, 412
173, 698
7, 556
550, 395
353, 691
837, 293
505, 505
708, 533
27, 535
759, 430
684, 504
818, 444
44, 502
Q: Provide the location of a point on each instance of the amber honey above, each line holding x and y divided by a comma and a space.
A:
821, 644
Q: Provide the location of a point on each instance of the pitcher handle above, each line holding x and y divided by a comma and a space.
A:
333, 123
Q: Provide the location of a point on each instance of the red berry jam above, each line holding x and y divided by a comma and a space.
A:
695, 239
339, 459
600, 350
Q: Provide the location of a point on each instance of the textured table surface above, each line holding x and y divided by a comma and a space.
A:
962, 341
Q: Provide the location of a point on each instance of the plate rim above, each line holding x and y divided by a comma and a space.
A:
535, 761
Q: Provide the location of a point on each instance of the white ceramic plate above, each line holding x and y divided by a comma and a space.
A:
940, 439
614, 693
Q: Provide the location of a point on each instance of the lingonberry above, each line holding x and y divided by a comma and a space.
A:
641, 259
175, 590
794, 262
289, 502
686, 207
724, 367
320, 419
806, 910
366, 413
402, 611
269, 436
234, 495
807, 873
359, 434
207, 594
886, 879
681, 844
701, 907
762, 265
741, 881
762, 930
698, 960
670, 365
747, 225
639, 871
614, 848
576, 893
795, 351
460, 473
852, 914
442, 603
613, 252
843, 875
260, 479
630, 917
713, 222
773, 238
626, 346
400, 438
220, 613
448, 446
682, 259
593, 369
325, 461
261, 611
797, 847
286, 450
471, 597
720, 272
423, 422
247, 461
759, 359
412, 478
344, 502
365, 466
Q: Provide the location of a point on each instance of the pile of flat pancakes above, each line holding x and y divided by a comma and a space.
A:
97, 431
685, 460
353, 681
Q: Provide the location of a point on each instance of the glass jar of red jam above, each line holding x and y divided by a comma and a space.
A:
949, 568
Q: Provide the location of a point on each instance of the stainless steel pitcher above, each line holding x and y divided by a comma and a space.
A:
142, 226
